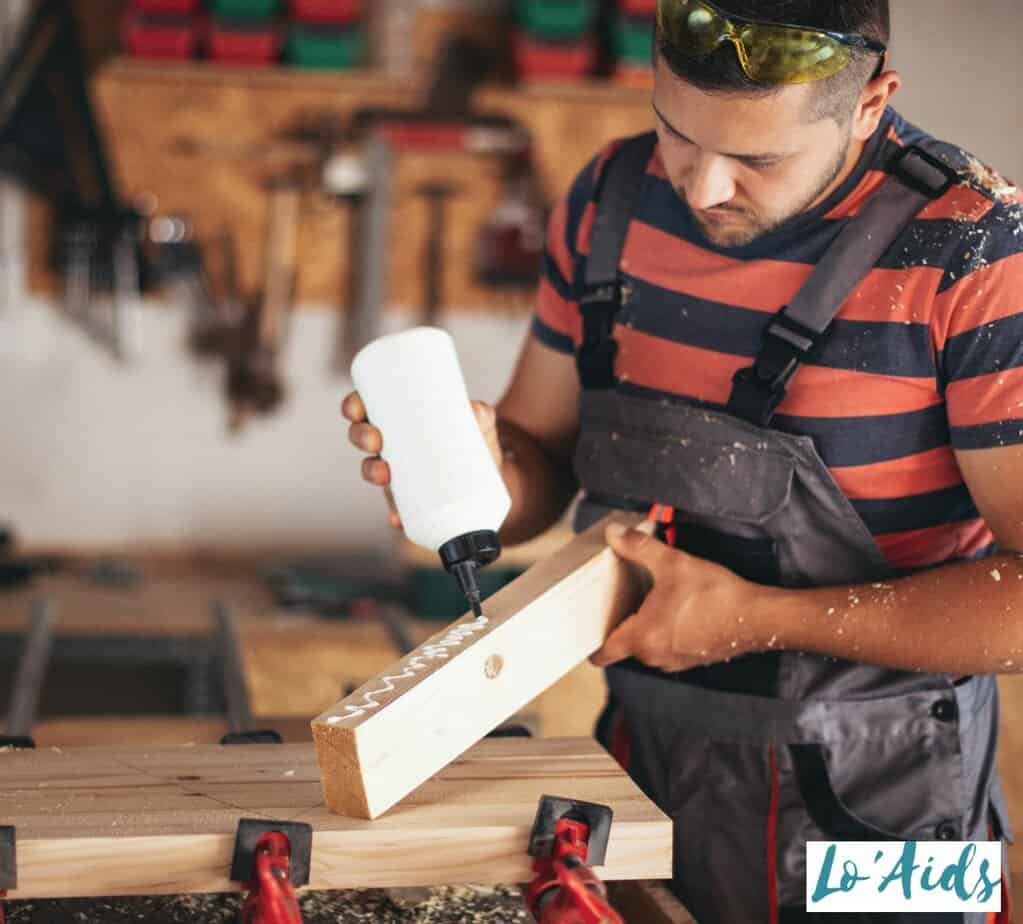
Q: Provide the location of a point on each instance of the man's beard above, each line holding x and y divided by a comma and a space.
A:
755, 225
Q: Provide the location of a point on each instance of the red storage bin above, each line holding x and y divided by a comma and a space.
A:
638, 7
535, 59
166, 7
158, 38
327, 12
249, 45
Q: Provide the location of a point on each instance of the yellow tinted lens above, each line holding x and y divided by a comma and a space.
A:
691, 26
779, 55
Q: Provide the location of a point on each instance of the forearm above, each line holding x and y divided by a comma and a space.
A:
959, 619
541, 486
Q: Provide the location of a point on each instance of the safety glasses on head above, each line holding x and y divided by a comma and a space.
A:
770, 53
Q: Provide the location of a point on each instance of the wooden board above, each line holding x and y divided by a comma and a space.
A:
378, 744
122, 821
152, 731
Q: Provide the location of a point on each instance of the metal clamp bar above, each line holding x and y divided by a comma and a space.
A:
236, 691
30, 672
8, 858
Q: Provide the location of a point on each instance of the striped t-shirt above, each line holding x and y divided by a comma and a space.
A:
925, 356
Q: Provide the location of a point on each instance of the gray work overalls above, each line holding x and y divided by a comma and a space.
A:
753, 758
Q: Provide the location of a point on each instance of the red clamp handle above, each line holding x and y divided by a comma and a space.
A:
564, 889
272, 898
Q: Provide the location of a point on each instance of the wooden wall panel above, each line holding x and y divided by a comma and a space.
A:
203, 140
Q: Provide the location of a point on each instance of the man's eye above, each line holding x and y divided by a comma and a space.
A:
762, 164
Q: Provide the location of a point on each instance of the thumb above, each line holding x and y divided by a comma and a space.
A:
618, 645
635, 546
486, 419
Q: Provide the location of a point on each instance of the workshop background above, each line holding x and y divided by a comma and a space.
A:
287, 180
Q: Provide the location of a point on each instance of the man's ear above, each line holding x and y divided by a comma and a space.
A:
873, 102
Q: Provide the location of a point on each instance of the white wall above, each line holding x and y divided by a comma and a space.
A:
962, 61
96, 454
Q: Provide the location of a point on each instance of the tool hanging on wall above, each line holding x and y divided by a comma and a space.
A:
443, 123
510, 246
180, 264
370, 250
437, 196
253, 381
51, 141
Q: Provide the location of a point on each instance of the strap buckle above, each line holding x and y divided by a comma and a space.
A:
757, 390
923, 172
596, 355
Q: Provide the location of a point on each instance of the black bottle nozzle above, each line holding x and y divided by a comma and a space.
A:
463, 557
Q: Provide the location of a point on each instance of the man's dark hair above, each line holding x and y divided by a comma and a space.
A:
835, 97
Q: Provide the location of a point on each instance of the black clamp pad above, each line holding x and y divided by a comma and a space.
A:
8, 858
263, 736
553, 808
20, 742
250, 830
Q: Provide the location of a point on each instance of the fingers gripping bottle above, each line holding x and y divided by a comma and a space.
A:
448, 491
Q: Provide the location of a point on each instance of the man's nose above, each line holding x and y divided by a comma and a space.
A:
709, 182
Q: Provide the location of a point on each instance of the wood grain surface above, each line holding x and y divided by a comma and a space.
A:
134, 821
378, 744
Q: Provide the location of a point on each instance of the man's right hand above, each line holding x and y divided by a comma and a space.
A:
368, 439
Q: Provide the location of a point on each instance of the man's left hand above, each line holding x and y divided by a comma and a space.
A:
695, 613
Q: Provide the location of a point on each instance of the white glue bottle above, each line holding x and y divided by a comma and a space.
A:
448, 491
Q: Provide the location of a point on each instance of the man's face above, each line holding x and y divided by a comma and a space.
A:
745, 165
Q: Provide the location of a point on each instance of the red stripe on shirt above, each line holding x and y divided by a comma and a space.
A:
557, 246
854, 202
919, 548
559, 314
986, 399
960, 203
706, 375
679, 266
849, 393
900, 296
652, 362
922, 473
967, 304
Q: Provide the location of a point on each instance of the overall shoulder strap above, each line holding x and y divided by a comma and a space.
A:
918, 177
617, 198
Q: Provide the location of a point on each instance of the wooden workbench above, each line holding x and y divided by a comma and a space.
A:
124, 821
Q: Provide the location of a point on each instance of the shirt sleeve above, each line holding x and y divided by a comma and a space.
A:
556, 322
981, 320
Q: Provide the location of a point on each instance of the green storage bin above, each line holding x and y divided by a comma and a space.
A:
557, 19
633, 40
245, 9
316, 48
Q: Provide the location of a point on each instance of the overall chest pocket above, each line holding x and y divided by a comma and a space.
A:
708, 479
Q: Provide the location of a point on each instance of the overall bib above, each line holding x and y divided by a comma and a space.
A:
755, 757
